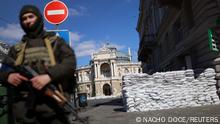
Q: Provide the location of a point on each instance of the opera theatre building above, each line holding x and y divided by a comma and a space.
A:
103, 76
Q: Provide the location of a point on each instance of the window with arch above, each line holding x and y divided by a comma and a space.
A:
88, 87
87, 77
80, 77
119, 72
126, 70
105, 70
139, 70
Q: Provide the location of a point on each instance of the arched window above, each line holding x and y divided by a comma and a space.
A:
80, 77
126, 70
88, 88
139, 70
119, 72
87, 77
105, 70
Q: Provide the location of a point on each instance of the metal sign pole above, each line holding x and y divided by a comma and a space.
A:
56, 26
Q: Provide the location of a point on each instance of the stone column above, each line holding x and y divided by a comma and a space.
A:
95, 70
114, 68
98, 70
111, 69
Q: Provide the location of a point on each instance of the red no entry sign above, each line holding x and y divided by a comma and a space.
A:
55, 12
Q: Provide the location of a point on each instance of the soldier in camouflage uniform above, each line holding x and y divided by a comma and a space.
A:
52, 58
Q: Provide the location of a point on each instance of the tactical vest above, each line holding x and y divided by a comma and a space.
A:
31, 52
29, 56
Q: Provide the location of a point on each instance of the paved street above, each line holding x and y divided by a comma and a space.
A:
110, 111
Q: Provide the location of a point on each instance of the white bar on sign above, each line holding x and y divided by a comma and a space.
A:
55, 12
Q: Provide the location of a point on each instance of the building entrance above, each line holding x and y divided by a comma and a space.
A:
107, 90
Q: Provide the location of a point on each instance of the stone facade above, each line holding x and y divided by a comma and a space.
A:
165, 90
103, 77
174, 34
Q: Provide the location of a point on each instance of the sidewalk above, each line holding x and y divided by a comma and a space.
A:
112, 113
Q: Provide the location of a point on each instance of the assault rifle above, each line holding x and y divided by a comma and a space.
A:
49, 90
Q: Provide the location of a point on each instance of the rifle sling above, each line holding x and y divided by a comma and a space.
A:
20, 57
52, 58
